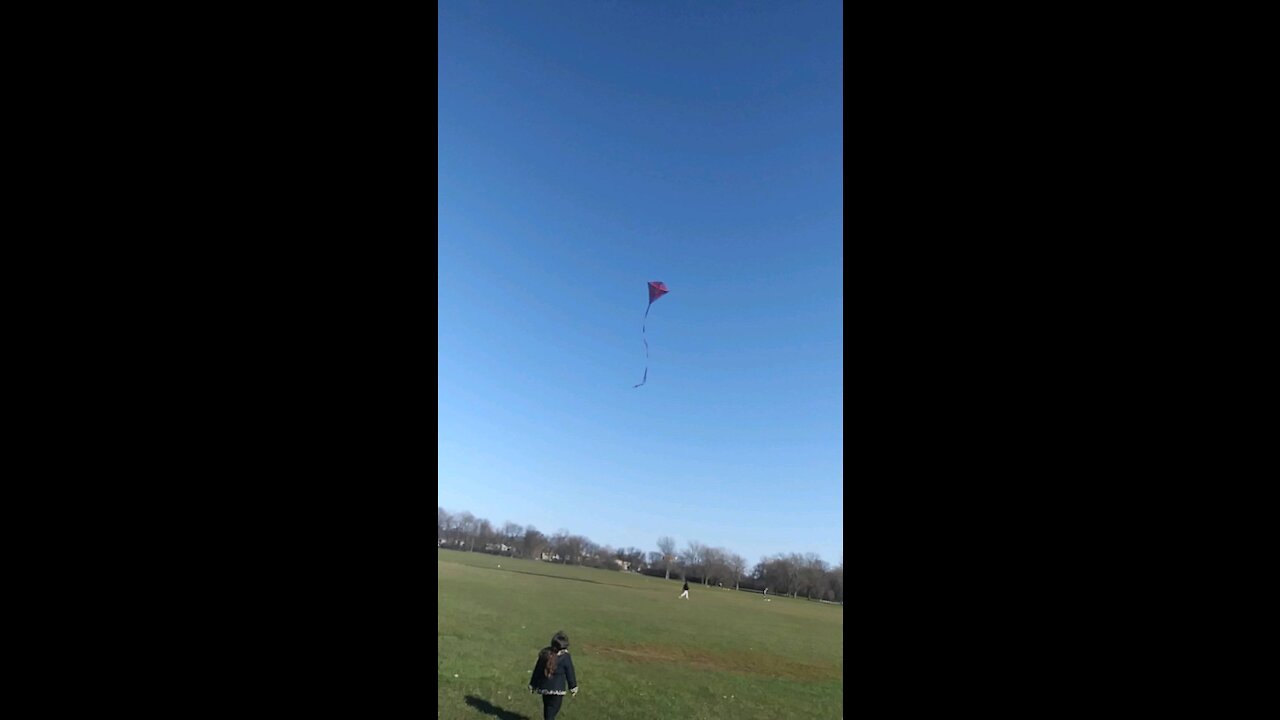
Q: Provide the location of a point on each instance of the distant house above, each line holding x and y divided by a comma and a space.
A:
624, 564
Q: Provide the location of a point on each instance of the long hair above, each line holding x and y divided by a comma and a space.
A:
559, 642
549, 655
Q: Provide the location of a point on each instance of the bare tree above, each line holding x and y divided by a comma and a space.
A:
443, 518
469, 526
599, 556
791, 573
795, 564
511, 534
451, 530
667, 546
694, 557
775, 572
633, 556
813, 573
710, 559
579, 547
534, 542
560, 544
738, 565
715, 562
571, 548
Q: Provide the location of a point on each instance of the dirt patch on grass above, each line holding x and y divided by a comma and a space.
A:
742, 662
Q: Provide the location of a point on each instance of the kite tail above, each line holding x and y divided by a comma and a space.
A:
646, 346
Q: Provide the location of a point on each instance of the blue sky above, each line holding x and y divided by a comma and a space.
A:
586, 148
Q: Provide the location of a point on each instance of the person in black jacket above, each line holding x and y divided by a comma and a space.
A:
684, 593
552, 674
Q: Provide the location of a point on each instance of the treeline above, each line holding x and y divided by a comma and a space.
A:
791, 574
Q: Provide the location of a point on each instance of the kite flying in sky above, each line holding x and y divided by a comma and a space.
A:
656, 290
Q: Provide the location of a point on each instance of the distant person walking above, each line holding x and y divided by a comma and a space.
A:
552, 674
685, 593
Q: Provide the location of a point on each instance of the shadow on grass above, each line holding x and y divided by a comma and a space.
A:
489, 708
561, 577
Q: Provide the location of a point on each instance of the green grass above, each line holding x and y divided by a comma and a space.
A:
639, 650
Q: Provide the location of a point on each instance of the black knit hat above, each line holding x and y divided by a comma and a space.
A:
560, 641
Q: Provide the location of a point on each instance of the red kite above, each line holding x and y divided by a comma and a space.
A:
656, 290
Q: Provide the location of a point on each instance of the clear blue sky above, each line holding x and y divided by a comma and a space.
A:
586, 148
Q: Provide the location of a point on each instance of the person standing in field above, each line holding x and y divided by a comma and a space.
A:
685, 592
553, 675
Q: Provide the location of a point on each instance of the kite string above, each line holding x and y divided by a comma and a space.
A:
646, 345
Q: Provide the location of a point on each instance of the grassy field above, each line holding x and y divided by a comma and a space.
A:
639, 650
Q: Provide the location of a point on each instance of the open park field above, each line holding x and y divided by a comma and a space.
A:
640, 651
